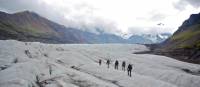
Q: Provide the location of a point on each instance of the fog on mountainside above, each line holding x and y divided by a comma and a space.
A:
29, 26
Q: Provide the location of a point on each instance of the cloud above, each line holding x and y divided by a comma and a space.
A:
181, 4
74, 14
4, 10
153, 17
108, 16
157, 17
149, 30
195, 3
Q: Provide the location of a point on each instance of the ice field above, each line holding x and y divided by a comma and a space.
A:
33, 64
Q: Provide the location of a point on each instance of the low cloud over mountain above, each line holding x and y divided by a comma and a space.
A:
116, 17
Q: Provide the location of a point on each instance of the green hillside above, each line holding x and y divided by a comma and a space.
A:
188, 38
184, 44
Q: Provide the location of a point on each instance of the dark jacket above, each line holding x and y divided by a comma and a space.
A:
116, 62
123, 63
108, 62
129, 67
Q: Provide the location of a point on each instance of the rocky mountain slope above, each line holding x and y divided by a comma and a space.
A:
185, 42
29, 26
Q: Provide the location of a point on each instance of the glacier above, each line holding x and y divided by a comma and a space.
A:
34, 64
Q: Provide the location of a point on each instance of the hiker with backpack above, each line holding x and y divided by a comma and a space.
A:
116, 64
129, 69
108, 62
123, 65
99, 62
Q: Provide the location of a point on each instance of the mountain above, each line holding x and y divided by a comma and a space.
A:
149, 38
139, 39
184, 44
29, 26
101, 38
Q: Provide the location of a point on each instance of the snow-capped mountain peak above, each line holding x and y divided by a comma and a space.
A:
149, 38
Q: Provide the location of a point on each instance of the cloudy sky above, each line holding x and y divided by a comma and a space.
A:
111, 16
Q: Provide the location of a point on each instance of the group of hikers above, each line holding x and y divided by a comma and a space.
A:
129, 68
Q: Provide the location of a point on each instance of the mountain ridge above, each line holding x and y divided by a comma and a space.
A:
29, 26
184, 44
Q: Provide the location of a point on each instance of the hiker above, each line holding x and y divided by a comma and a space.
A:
116, 64
129, 69
99, 62
108, 63
123, 65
